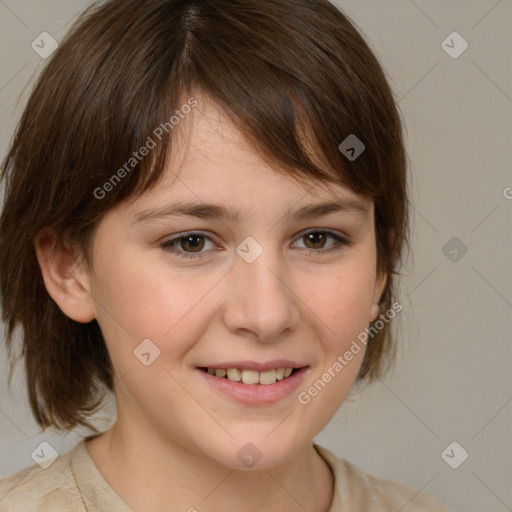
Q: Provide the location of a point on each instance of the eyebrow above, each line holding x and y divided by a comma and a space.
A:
214, 211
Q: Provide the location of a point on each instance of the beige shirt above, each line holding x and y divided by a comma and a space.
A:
74, 484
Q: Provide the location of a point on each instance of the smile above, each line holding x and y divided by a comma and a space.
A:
251, 376
253, 387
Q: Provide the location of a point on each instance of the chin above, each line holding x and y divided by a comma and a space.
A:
258, 452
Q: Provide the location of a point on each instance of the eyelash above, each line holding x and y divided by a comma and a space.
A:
341, 242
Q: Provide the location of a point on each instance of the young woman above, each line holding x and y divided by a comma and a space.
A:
206, 204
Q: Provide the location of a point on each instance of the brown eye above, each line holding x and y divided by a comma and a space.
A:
317, 240
188, 245
192, 243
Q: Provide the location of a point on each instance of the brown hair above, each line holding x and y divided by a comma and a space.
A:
127, 64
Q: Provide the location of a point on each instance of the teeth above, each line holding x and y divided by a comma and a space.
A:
268, 377
252, 376
234, 375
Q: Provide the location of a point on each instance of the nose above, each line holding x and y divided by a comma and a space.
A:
261, 299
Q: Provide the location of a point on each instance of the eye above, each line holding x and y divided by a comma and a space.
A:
193, 242
316, 239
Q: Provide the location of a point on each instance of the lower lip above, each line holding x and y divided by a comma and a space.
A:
255, 394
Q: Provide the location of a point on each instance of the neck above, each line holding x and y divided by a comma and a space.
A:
149, 475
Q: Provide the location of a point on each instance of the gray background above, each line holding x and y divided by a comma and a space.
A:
452, 380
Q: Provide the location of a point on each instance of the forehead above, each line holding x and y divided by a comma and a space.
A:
214, 171
207, 140
208, 146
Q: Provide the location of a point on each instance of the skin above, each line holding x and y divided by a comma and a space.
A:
176, 440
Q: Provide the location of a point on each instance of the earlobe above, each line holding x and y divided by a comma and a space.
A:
380, 285
374, 312
66, 282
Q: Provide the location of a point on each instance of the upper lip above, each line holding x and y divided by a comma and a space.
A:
253, 365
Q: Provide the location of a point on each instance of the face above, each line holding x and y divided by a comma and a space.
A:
259, 288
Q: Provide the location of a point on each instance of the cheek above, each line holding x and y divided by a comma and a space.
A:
143, 301
342, 302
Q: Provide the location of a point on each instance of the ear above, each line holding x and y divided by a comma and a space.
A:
380, 284
66, 281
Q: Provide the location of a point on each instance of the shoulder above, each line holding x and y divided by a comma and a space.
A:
357, 490
35, 489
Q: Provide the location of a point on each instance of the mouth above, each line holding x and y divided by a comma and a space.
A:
254, 384
251, 377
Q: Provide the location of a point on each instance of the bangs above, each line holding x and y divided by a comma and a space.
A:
294, 108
